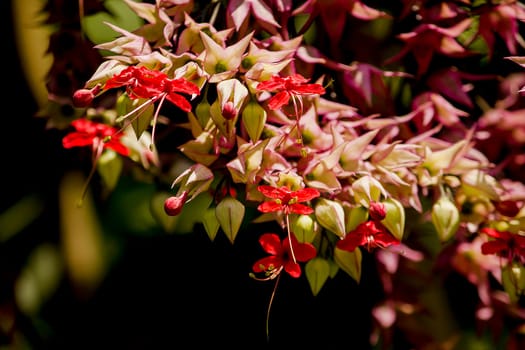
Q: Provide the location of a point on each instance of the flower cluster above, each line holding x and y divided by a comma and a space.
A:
397, 155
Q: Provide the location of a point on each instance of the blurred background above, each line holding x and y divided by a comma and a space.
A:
106, 274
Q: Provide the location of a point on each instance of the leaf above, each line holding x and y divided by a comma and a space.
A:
317, 272
230, 213
350, 262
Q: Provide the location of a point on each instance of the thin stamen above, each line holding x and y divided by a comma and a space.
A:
290, 237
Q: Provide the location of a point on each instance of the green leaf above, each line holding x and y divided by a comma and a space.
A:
118, 14
230, 213
317, 272
350, 262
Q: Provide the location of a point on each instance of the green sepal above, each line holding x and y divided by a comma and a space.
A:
350, 262
330, 214
211, 223
230, 214
109, 167
317, 272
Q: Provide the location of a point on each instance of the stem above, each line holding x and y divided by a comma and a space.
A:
269, 308
98, 148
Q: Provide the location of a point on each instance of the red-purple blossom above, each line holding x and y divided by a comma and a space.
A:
90, 133
428, 39
281, 255
286, 87
287, 200
371, 234
504, 243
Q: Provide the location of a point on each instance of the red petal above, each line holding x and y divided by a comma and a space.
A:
292, 268
272, 84
265, 263
118, 147
268, 207
270, 191
299, 208
306, 194
351, 241
271, 243
493, 247
279, 100
179, 101
77, 139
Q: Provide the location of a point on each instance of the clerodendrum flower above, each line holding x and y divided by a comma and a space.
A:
98, 135
503, 243
371, 234
141, 82
281, 253
288, 87
286, 200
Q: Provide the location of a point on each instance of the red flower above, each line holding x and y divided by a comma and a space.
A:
370, 233
90, 133
287, 200
281, 255
505, 244
287, 87
141, 82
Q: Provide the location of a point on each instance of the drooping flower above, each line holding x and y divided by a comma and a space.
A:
504, 244
281, 255
141, 82
97, 135
371, 234
287, 200
287, 87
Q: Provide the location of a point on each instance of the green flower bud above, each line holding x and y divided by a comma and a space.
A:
446, 218
254, 119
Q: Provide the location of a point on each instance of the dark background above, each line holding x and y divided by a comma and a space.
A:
164, 291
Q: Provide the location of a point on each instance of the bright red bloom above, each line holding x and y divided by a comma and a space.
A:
370, 233
287, 200
141, 82
281, 254
90, 133
505, 244
287, 87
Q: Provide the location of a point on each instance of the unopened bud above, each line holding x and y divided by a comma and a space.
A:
228, 111
83, 97
173, 205
377, 211
446, 218
508, 208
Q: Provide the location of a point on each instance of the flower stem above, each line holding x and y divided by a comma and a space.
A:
269, 308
